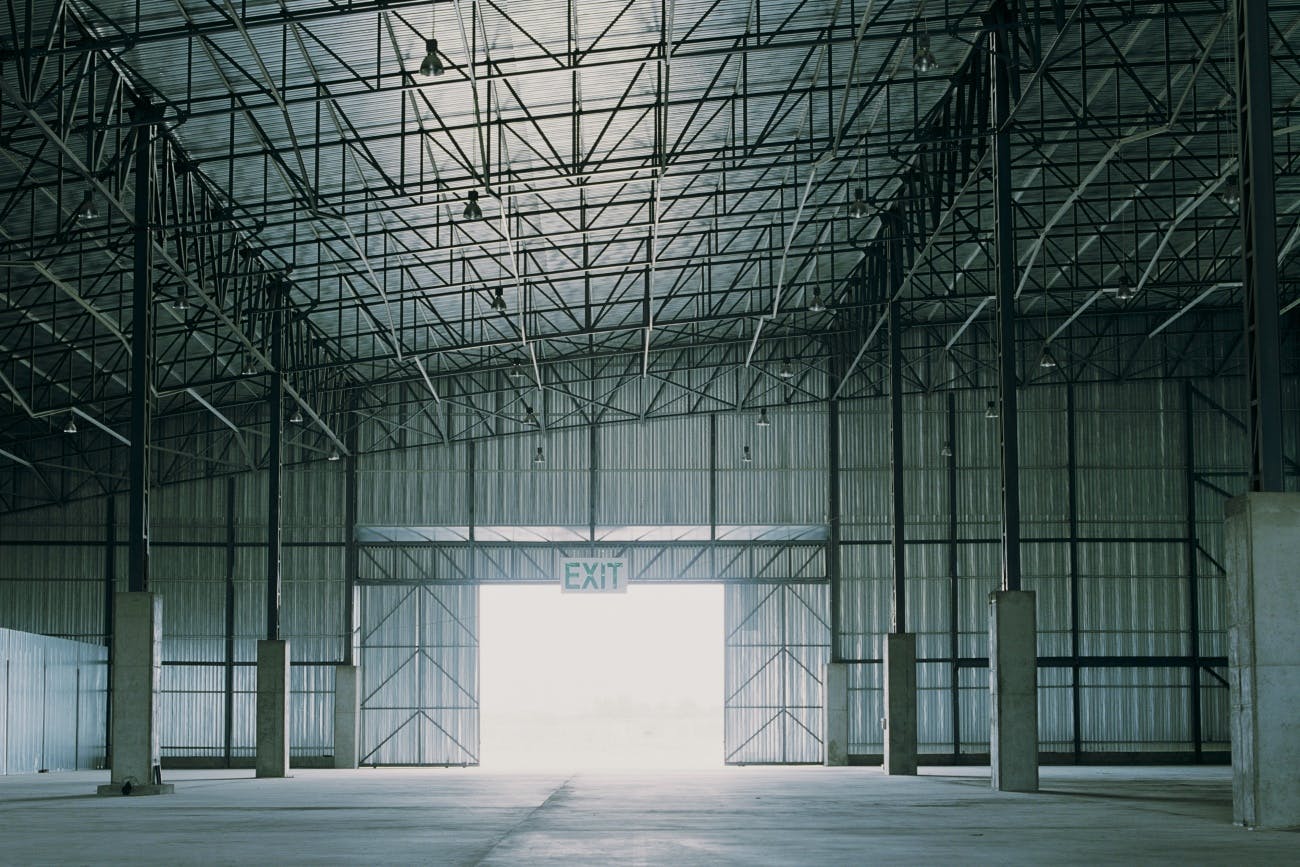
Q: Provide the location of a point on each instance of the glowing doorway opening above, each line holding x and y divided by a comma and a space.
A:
580, 681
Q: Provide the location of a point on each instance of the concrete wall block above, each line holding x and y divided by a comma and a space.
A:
1263, 550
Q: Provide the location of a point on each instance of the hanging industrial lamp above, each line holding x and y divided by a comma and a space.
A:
86, 211
432, 64
924, 60
472, 210
858, 207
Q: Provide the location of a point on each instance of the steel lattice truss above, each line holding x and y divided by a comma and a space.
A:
666, 190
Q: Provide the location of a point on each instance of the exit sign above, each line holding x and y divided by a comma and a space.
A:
594, 575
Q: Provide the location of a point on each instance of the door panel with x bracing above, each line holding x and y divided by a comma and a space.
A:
777, 646
419, 672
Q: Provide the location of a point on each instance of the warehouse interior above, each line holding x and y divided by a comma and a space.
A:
919, 375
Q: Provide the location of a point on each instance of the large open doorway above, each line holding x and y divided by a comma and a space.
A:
574, 681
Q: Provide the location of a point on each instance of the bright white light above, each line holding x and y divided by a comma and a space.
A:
581, 681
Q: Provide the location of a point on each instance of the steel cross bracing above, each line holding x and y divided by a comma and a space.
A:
681, 167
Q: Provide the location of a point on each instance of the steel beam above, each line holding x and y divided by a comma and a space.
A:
1259, 243
833, 567
1001, 59
274, 468
351, 554
897, 528
141, 352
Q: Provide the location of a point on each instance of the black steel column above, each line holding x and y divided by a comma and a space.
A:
351, 556
1259, 244
275, 413
229, 733
713, 477
1072, 482
110, 568
1193, 573
1000, 58
833, 573
593, 480
141, 353
954, 589
110, 587
897, 530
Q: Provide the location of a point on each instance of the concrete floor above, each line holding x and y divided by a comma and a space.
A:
728, 816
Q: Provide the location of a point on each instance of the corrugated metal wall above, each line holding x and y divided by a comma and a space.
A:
419, 671
53, 700
1122, 545
777, 647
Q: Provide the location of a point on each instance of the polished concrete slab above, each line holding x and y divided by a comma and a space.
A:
754, 815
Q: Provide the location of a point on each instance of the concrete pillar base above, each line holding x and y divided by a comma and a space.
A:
136, 676
1263, 536
347, 716
900, 704
835, 715
118, 790
1013, 687
272, 709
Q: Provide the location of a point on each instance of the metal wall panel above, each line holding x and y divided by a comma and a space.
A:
419, 670
653, 473
777, 647
53, 698
510, 489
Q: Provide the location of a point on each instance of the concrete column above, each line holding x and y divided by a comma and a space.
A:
272, 708
1263, 535
1013, 687
347, 716
137, 655
835, 714
900, 703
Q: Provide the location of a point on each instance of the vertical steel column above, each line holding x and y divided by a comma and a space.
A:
1259, 244
110, 589
897, 529
833, 572
144, 118
229, 733
1072, 482
1000, 58
274, 460
351, 556
954, 590
110, 568
1193, 573
713, 476
592, 483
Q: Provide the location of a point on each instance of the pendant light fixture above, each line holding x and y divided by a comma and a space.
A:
924, 60
858, 207
472, 210
432, 64
87, 211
